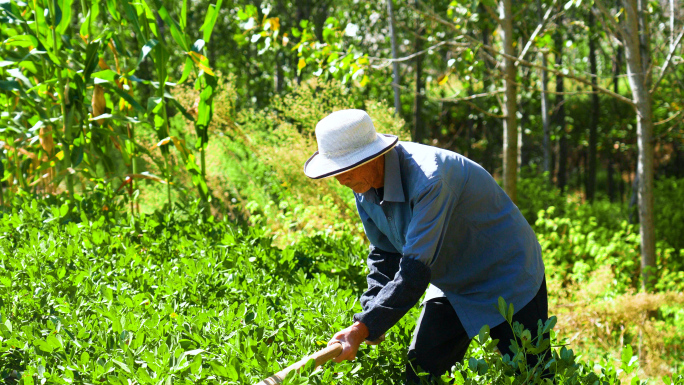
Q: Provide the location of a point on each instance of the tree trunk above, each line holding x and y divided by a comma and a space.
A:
672, 25
617, 66
510, 107
611, 176
560, 114
488, 160
469, 123
395, 65
524, 121
633, 200
638, 54
546, 142
418, 100
545, 105
593, 124
486, 81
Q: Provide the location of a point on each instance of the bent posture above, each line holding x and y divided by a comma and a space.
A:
433, 218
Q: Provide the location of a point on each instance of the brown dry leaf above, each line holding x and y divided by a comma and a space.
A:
103, 64
46, 141
98, 103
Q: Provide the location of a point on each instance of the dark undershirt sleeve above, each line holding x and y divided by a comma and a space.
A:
395, 299
383, 266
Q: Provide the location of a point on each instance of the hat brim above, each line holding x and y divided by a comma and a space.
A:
319, 166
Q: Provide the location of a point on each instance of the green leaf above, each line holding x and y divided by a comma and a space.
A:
210, 20
84, 26
509, 315
66, 6
482, 367
231, 372
184, 15
187, 69
43, 345
182, 109
550, 323
204, 110
9, 85
16, 73
121, 118
175, 28
484, 333
122, 366
458, 378
626, 354
12, 10
132, 16
22, 41
146, 49
124, 95
111, 7
76, 156
502, 307
105, 75
63, 210
193, 352
153, 104
472, 364
53, 16
91, 60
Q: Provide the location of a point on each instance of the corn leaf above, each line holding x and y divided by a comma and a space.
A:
210, 20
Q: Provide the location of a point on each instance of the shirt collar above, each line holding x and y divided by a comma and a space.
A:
393, 189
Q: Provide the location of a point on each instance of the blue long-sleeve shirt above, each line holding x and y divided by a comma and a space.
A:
442, 219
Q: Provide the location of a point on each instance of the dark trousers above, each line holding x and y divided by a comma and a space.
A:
440, 340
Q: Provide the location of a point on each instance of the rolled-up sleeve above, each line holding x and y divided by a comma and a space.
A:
425, 235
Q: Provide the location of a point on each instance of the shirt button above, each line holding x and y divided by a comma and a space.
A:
389, 218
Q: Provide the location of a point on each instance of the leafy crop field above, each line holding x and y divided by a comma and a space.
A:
90, 297
169, 300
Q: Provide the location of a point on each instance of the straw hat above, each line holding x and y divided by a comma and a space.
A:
346, 140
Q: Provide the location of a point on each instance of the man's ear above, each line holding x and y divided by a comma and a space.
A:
380, 167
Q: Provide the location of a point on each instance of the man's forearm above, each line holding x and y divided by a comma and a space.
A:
395, 299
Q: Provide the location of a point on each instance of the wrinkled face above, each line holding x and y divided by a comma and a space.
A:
362, 178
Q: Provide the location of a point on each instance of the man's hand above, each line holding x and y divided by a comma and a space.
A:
350, 338
376, 342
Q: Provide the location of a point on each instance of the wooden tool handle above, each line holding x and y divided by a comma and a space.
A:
320, 357
324, 355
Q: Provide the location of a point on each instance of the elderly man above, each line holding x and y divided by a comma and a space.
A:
433, 217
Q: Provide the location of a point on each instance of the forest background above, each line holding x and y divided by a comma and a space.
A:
576, 107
